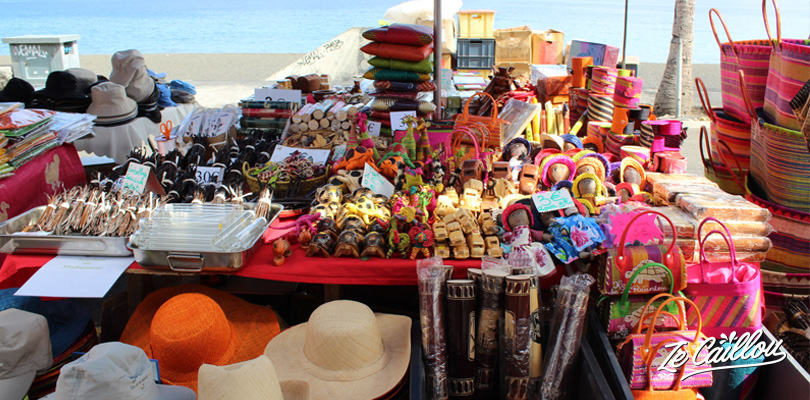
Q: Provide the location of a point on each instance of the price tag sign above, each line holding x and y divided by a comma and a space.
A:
397, 117
263, 94
136, 178
373, 128
643, 228
550, 201
210, 175
376, 182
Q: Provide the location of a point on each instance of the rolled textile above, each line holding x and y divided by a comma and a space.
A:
593, 128
460, 338
627, 92
646, 136
486, 344
517, 336
603, 80
600, 107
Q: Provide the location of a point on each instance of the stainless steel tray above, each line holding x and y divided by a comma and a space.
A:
207, 261
56, 245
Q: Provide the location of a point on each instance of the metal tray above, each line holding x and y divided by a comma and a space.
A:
56, 245
208, 261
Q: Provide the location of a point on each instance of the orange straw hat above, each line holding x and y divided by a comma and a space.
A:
600, 147
345, 351
594, 163
187, 326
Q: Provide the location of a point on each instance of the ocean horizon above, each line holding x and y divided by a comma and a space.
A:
246, 26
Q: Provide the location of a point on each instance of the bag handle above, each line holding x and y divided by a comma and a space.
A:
728, 35
453, 141
709, 165
645, 347
746, 98
649, 360
669, 258
482, 94
624, 301
721, 142
734, 263
703, 94
778, 44
644, 315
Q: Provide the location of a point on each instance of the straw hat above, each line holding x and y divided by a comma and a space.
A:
557, 159
255, 379
600, 147
345, 351
111, 105
632, 162
593, 162
187, 326
551, 141
582, 177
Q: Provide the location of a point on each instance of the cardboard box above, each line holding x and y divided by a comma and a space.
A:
449, 33
476, 24
548, 47
551, 79
447, 61
513, 45
603, 55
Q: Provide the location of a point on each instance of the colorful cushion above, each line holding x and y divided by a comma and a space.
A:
395, 75
394, 104
388, 93
401, 34
425, 66
405, 86
398, 51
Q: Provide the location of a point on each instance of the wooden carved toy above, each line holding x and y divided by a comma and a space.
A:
444, 206
472, 169
493, 246
366, 209
500, 169
281, 250
555, 168
451, 193
348, 244
328, 226
321, 245
631, 171
527, 181
351, 179
476, 185
503, 187
440, 231
421, 241
476, 245
471, 200
466, 220
327, 194
353, 222
305, 237
487, 223
441, 249
461, 252
374, 245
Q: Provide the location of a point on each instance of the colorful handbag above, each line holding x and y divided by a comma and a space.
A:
728, 294
735, 133
637, 352
674, 393
717, 172
494, 125
622, 262
751, 56
622, 314
788, 70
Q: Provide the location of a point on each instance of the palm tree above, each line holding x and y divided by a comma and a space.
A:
683, 30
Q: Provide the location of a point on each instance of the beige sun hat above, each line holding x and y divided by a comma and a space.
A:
250, 380
25, 349
110, 104
129, 71
551, 141
345, 351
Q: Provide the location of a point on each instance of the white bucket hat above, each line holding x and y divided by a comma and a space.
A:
250, 380
110, 104
25, 349
117, 371
129, 71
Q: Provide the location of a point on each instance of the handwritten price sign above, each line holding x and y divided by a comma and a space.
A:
136, 177
210, 174
376, 182
550, 201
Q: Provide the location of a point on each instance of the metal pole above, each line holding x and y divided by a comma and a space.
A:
437, 57
679, 81
624, 38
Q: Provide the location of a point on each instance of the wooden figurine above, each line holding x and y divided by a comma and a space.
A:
408, 141
444, 206
493, 246
500, 169
476, 245
451, 193
461, 252
487, 223
441, 249
348, 244
281, 250
476, 185
466, 220
374, 245
527, 181
632, 172
472, 200
321, 245
557, 168
440, 231
455, 234
472, 169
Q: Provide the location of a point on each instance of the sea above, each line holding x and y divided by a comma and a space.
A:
300, 26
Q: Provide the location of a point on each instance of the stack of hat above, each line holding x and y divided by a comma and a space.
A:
69, 327
18, 91
110, 105
402, 68
129, 70
61, 93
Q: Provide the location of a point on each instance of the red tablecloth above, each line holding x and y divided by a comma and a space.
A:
16, 269
32, 183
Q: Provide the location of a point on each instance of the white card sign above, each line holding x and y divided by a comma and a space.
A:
264, 94
397, 117
550, 201
319, 157
136, 177
75, 277
376, 182
210, 175
373, 128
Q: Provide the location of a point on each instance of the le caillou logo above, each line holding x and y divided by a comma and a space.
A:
745, 347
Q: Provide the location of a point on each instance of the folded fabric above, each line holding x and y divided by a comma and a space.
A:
394, 75
394, 104
184, 86
425, 66
401, 34
165, 98
398, 51
388, 93
405, 86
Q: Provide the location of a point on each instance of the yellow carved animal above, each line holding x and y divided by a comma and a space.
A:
366, 209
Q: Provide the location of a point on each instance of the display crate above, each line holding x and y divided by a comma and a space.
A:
475, 53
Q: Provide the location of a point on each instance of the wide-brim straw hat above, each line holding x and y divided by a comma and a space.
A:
345, 351
187, 326
557, 159
628, 162
597, 165
254, 379
556, 139
110, 104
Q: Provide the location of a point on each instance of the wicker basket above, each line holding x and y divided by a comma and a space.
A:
294, 140
280, 188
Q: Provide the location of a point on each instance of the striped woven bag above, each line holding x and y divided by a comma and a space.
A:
789, 69
723, 176
735, 133
728, 294
750, 56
